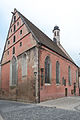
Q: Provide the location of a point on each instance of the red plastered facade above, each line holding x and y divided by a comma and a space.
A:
53, 90
29, 86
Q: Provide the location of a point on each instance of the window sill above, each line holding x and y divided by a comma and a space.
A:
47, 84
64, 85
12, 86
57, 84
24, 76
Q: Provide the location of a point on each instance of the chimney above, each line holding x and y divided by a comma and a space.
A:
56, 32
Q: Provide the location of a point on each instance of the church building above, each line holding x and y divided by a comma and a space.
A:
33, 67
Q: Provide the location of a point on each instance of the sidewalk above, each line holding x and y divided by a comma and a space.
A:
67, 103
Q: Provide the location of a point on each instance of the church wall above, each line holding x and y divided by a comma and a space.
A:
27, 84
52, 90
5, 77
26, 88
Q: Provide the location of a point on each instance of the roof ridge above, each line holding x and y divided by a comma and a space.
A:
44, 39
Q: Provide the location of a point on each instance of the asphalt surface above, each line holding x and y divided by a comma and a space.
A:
11, 110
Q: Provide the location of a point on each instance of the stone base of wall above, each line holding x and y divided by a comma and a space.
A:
17, 95
14, 99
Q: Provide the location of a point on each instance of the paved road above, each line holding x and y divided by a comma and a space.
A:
19, 111
67, 103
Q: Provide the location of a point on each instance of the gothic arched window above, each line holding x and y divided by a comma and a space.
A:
69, 75
14, 71
57, 72
76, 76
24, 65
47, 70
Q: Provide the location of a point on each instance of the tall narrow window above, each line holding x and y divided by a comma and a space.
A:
17, 23
14, 75
20, 44
42, 76
57, 72
11, 30
8, 52
8, 42
14, 18
20, 32
13, 50
55, 33
76, 76
14, 28
69, 75
47, 70
14, 38
24, 66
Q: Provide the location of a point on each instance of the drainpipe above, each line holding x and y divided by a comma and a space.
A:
39, 47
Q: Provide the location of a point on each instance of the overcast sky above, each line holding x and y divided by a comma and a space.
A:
45, 14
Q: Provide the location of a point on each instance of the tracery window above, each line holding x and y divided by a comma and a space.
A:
57, 72
69, 75
47, 70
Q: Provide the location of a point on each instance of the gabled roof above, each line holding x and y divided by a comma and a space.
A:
5, 44
43, 39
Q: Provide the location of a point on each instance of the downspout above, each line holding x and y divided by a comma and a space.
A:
39, 46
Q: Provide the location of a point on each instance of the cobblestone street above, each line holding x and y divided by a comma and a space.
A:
11, 110
67, 103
